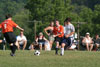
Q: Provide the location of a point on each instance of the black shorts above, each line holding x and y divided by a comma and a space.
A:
67, 41
59, 39
10, 37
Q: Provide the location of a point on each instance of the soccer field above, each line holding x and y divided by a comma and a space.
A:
49, 59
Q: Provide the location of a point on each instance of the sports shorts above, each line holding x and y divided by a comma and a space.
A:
10, 37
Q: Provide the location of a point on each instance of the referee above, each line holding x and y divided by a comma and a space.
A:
7, 30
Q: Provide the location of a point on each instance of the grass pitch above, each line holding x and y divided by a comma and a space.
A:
49, 59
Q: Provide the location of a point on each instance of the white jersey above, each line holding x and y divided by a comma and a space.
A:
68, 29
64, 29
21, 39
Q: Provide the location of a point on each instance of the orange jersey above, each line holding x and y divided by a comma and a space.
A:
59, 30
7, 26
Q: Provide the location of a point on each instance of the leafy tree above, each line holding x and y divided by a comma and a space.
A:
96, 14
11, 7
87, 3
22, 19
86, 14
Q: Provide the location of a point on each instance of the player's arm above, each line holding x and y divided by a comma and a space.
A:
19, 28
70, 34
15, 25
56, 35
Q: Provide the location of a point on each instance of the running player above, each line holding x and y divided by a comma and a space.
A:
7, 30
58, 34
68, 37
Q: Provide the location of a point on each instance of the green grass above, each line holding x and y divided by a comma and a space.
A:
49, 59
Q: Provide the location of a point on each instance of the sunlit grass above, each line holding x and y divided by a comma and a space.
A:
49, 59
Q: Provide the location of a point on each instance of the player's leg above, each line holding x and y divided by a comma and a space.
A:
12, 42
11, 39
62, 48
57, 46
13, 48
63, 43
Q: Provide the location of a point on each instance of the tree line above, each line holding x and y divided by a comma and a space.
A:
47, 10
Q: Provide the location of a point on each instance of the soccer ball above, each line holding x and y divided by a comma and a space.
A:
37, 53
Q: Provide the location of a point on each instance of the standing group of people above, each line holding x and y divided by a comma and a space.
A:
61, 35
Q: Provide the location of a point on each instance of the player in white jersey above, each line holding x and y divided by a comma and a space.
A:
68, 37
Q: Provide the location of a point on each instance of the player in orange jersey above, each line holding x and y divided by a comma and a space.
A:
7, 30
58, 34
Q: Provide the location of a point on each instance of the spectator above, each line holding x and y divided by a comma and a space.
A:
21, 41
68, 37
3, 41
97, 42
73, 46
87, 41
50, 32
58, 34
41, 41
33, 46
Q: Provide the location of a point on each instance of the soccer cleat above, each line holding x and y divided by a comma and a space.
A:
11, 54
61, 54
56, 53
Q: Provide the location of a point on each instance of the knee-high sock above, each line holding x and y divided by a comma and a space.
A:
11, 47
56, 50
14, 48
62, 51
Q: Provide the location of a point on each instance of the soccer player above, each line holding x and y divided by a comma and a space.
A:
58, 34
68, 37
7, 30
